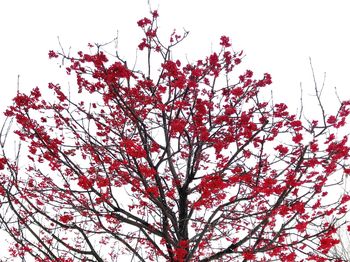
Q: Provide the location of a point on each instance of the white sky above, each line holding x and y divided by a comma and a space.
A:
278, 36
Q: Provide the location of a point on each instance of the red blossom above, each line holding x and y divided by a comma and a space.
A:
297, 138
280, 110
85, 182
230, 110
248, 255
296, 124
52, 54
172, 68
327, 243
178, 125
225, 41
237, 91
153, 191
118, 70
301, 226
237, 61
102, 182
66, 218
143, 22
345, 198
133, 149
299, 207
181, 252
2, 191
313, 147
147, 171
213, 59
282, 149
143, 44
290, 257
331, 120
155, 14
154, 147
22, 100
3, 162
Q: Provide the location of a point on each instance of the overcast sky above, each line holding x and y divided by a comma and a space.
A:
277, 36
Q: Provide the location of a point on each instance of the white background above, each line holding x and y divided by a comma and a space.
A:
277, 36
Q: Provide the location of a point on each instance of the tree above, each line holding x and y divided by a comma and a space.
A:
189, 162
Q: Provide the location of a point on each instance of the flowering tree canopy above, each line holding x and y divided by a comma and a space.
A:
180, 162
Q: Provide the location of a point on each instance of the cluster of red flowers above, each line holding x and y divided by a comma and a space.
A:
2, 163
85, 182
66, 218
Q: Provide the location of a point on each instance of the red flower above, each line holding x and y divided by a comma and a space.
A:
280, 110
237, 91
345, 199
22, 100
327, 243
119, 70
180, 252
230, 111
296, 124
85, 183
290, 258
313, 147
147, 171
154, 147
143, 44
331, 120
249, 73
297, 138
172, 68
151, 33
2, 163
213, 59
269, 182
143, 22
133, 149
299, 207
301, 226
155, 14
249, 255
52, 54
153, 191
282, 149
66, 218
178, 125
2, 191
102, 182
225, 41
237, 61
